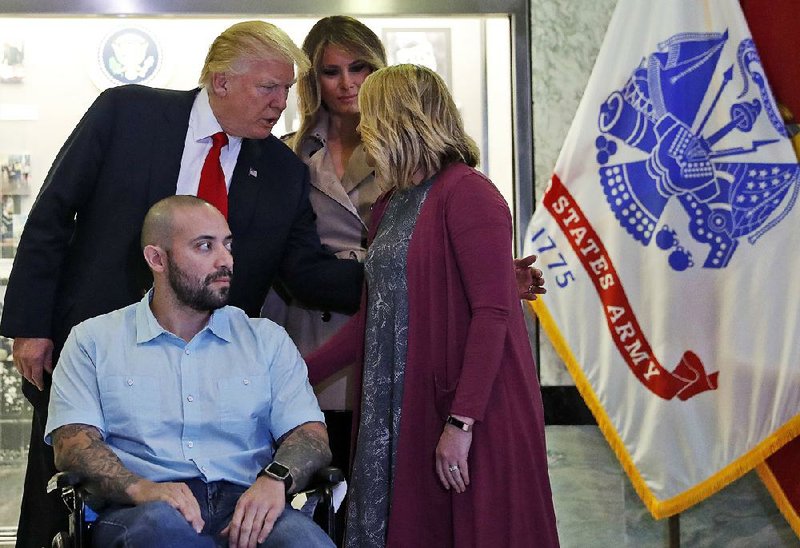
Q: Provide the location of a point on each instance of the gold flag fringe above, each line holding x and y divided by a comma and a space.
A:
660, 509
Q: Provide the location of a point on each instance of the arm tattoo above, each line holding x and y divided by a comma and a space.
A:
80, 448
304, 450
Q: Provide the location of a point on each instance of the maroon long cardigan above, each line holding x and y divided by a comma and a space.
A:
468, 354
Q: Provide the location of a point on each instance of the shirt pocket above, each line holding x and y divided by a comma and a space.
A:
244, 405
132, 406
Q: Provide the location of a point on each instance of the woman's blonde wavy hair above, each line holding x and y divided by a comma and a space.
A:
346, 33
409, 123
250, 40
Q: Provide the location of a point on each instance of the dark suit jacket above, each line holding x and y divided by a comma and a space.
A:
79, 255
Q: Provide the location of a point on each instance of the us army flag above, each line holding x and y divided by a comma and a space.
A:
668, 235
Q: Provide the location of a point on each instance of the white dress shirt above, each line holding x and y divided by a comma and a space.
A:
202, 125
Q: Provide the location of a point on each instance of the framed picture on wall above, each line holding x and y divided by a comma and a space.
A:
12, 62
427, 47
15, 172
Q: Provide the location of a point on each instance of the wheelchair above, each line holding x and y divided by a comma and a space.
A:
82, 517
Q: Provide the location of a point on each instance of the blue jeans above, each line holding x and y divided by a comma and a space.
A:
159, 525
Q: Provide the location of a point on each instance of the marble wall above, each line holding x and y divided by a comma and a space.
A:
596, 505
565, 39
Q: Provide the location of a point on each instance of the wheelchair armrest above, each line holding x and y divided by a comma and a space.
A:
73, 493
64, 479
322, 482
328, 474
321, 488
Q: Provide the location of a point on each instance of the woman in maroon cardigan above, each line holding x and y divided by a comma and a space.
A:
450, 446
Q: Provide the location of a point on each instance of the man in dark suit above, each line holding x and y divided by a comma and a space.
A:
78, 256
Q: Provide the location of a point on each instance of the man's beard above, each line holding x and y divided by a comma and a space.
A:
197, 294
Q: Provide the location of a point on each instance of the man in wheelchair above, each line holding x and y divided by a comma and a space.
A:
170, 408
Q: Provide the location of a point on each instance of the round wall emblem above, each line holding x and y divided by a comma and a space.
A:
129, 56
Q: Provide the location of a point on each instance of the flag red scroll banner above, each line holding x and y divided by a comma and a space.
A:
667, 234
688, 378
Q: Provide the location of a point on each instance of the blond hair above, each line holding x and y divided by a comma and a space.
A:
410, 124
342, 32
250, 40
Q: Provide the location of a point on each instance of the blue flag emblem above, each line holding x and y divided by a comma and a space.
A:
665, 110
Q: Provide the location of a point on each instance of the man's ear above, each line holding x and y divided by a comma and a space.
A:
219, 84
156, 257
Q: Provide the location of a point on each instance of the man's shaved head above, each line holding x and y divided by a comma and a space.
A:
159, 222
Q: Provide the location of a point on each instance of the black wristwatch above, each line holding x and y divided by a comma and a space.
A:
278, 471
458, 423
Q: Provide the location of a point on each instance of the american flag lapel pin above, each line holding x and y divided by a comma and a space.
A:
253, 172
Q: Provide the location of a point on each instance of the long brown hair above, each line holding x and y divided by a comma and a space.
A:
343, 32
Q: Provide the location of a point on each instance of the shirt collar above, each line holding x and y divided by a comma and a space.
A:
148, 328
202, 122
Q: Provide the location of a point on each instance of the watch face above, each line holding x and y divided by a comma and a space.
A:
278, 470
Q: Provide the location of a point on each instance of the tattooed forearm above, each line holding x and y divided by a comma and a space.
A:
304, 450
80, 448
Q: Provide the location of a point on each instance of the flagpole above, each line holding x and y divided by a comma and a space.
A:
674, 525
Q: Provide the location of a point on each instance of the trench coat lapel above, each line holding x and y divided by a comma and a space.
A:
324, 179
357, 169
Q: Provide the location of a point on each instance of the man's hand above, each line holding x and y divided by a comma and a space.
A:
32, 357
177, 495
256, 512
304, 450
530, 281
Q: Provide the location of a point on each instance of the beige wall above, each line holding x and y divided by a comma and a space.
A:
62, 78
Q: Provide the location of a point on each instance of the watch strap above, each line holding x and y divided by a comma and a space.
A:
458, 423
283, 474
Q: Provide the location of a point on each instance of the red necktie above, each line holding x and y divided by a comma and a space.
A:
212, 187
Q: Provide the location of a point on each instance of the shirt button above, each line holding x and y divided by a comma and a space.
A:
130, 382
246, 382
190, 444
190, 398
187, 351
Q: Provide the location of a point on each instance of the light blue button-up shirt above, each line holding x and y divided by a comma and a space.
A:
172, 410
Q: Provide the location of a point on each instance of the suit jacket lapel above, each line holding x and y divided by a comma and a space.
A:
168, 142
249, 177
